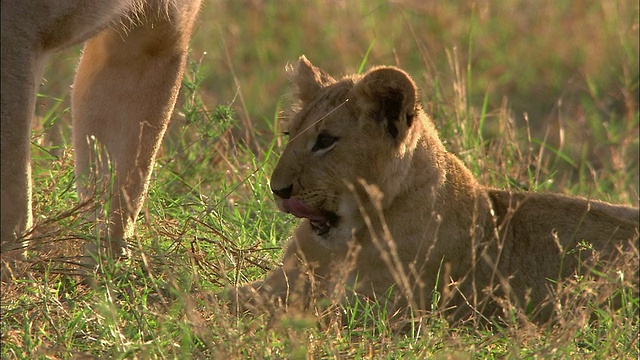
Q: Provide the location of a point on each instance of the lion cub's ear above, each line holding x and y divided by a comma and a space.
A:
308, 78
388, 95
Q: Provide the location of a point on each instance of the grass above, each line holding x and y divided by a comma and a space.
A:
540, 96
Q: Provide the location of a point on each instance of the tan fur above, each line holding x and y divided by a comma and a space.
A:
408, 210
123, 95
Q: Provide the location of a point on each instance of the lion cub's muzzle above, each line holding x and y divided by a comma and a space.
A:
321, 220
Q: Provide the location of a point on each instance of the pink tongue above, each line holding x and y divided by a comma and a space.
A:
299, 209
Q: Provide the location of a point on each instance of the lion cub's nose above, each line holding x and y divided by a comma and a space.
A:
283, 193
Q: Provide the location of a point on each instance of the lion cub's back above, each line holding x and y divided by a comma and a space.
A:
540, 232
566, 219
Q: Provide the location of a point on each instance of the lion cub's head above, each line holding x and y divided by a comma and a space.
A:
359, 129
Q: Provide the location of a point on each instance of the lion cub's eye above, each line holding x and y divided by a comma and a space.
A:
324, 142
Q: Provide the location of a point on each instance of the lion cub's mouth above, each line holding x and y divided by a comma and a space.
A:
321, 221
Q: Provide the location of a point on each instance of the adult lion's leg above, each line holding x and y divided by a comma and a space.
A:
123, 96
21, 66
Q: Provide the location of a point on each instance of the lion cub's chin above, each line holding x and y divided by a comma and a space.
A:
347, 222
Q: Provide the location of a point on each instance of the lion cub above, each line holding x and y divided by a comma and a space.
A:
390, 215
